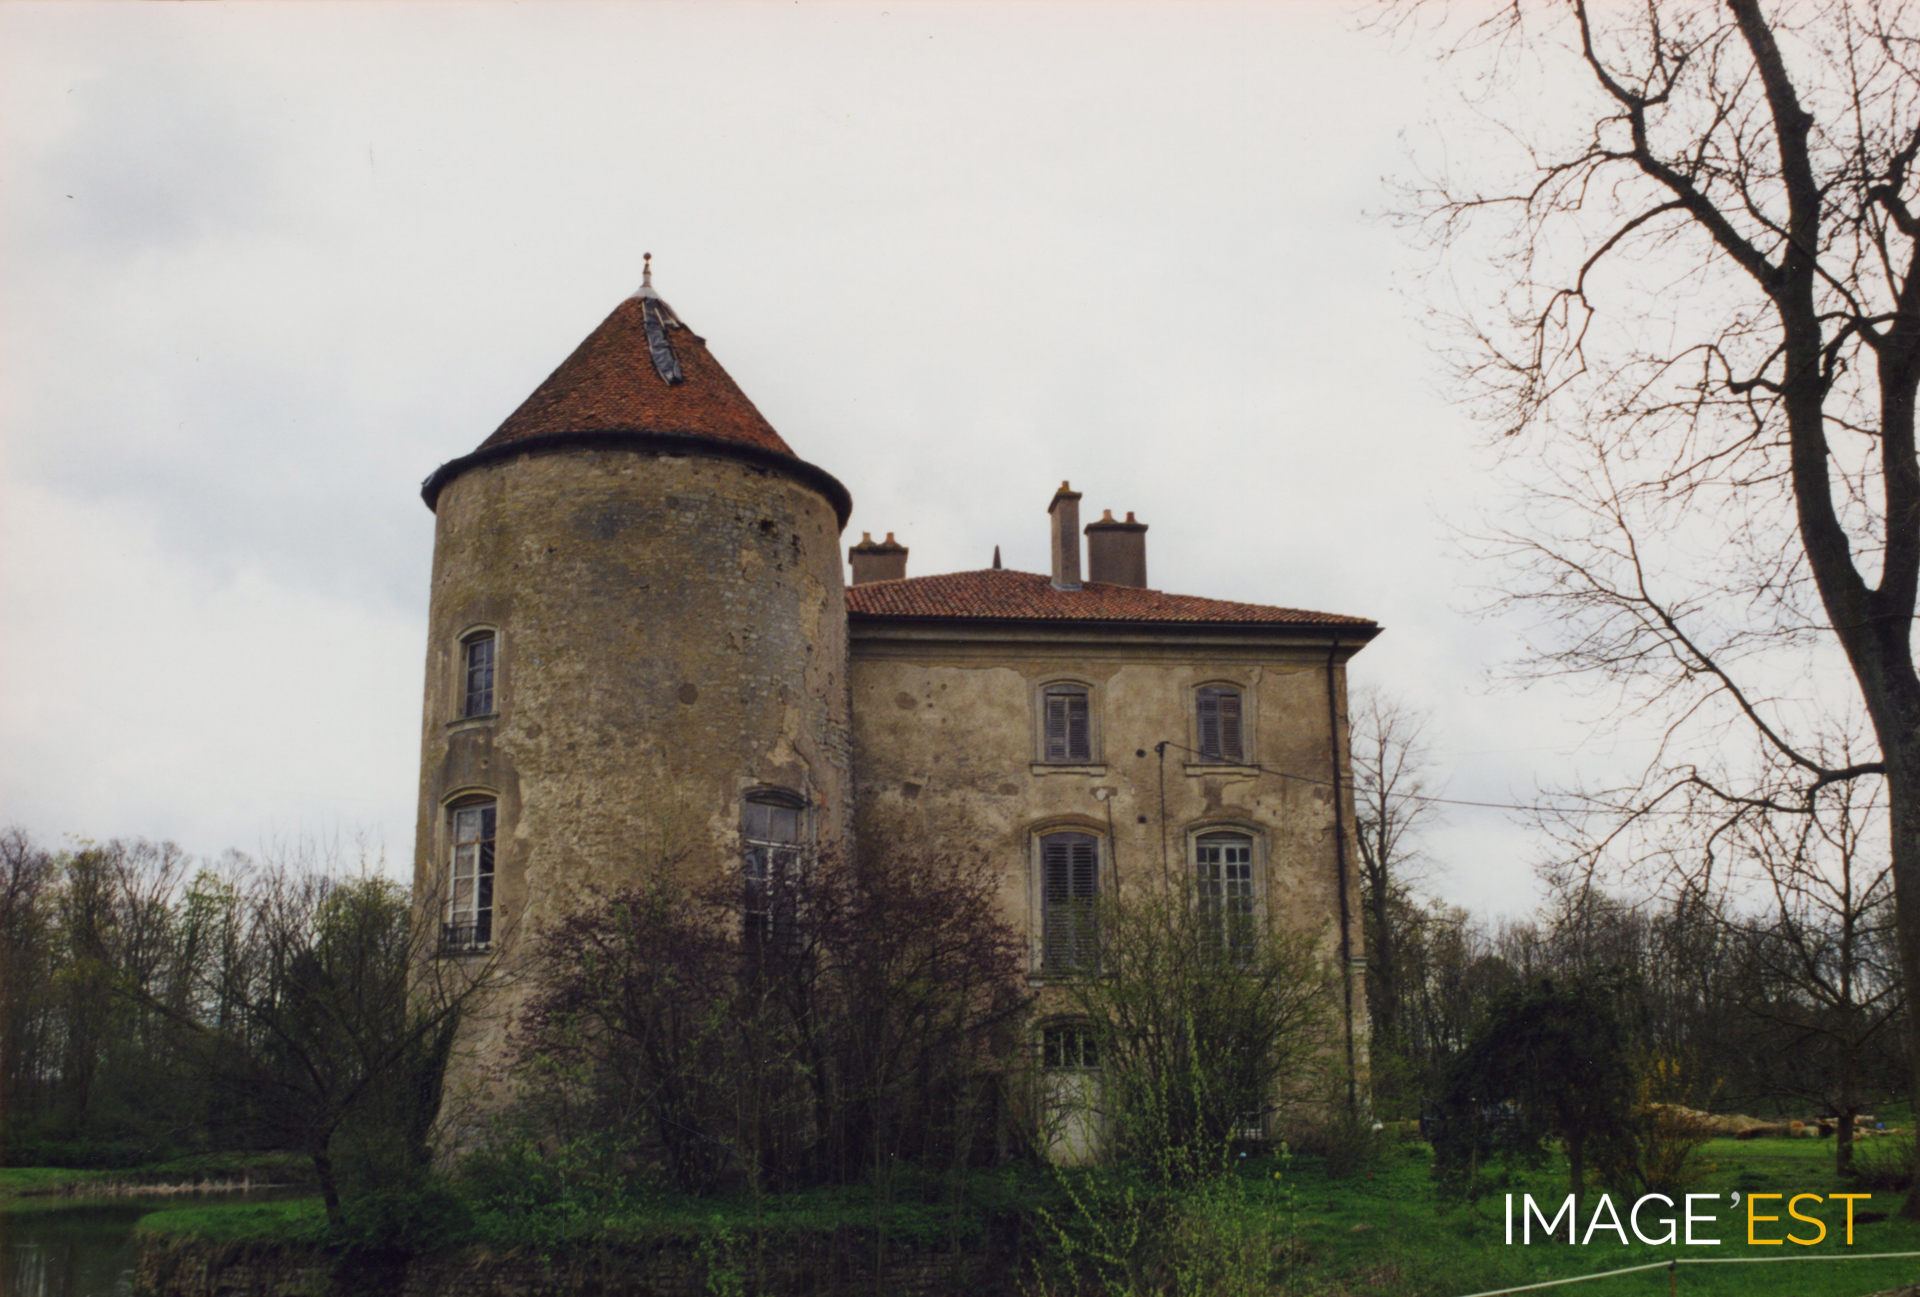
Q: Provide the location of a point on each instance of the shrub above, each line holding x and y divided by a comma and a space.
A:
1884, 1165
1348, 1148
1198, 1039
1665, 1132
858, 1026
422, 1217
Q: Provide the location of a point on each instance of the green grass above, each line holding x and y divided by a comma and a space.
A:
1390, 1235
19, 1181
291, 1220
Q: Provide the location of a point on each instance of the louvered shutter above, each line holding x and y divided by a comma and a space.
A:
1056, 727
1070, 884
1219, 711
1209, 703
1229, 704
1079, 741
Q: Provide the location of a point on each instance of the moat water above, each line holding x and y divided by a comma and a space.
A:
81, 1247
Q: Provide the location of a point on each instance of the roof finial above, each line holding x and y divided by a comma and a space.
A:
646, 270
996, 558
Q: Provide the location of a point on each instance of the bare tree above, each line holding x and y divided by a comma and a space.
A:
28, 1026
1821, 951
1391, 766
342, 1015
1705, 347
851, 1030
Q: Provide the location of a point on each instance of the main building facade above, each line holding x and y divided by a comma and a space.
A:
642, 643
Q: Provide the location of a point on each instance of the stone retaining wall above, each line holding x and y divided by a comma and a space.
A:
820, 1266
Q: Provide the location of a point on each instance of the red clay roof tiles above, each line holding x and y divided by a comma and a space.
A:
1001, 595
610, 384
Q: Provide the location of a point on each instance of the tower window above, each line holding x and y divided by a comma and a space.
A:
1067, 719
1223, 885
1069, 892
770, 870
470, 878
477, 650
1219, 709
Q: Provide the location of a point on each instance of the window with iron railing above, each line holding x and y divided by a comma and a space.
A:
469, 924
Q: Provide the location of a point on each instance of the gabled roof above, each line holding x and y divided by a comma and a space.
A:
616, 381
1001, 595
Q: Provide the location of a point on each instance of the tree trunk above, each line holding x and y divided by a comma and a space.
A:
1382, 973
329, 1191
1577, 1180
1903, 805
1849, 1103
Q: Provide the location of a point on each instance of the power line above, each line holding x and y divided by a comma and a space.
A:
1441, 801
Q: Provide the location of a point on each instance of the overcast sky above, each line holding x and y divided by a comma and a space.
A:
266, 266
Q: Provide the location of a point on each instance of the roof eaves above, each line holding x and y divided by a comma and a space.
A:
1361, 629
672, 443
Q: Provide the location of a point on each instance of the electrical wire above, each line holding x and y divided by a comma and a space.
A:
1437, 801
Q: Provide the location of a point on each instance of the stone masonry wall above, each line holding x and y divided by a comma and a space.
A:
671, 634
809, 1267
947, 750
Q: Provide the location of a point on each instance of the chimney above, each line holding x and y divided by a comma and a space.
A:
878, 560
1117, 551
1065, 514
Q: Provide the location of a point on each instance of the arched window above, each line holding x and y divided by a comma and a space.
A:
770, 868
470, 876
1223, 891
477, 652
1069, 893
1220, 711
1069, 1045
1066, 724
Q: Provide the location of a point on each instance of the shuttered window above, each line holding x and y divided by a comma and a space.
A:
470, 878
1069, 734
479, 674
1220, 726
1223, 887
1069, 888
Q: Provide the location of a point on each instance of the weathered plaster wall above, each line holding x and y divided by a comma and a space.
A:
671, 634
946, 726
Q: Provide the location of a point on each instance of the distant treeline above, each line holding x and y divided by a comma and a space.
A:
155, 1005
1793, 1011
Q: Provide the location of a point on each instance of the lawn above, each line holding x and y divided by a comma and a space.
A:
23, 1181
1387, 1235
293, 1219
1391, 1236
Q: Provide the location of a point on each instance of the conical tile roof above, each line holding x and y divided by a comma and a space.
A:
642, 370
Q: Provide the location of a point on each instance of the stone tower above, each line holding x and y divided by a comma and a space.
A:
636, 646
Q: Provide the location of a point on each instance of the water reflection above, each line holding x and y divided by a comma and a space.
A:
70, 1252
82, 1247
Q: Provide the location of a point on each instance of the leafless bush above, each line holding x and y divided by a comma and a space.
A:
860, 1028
